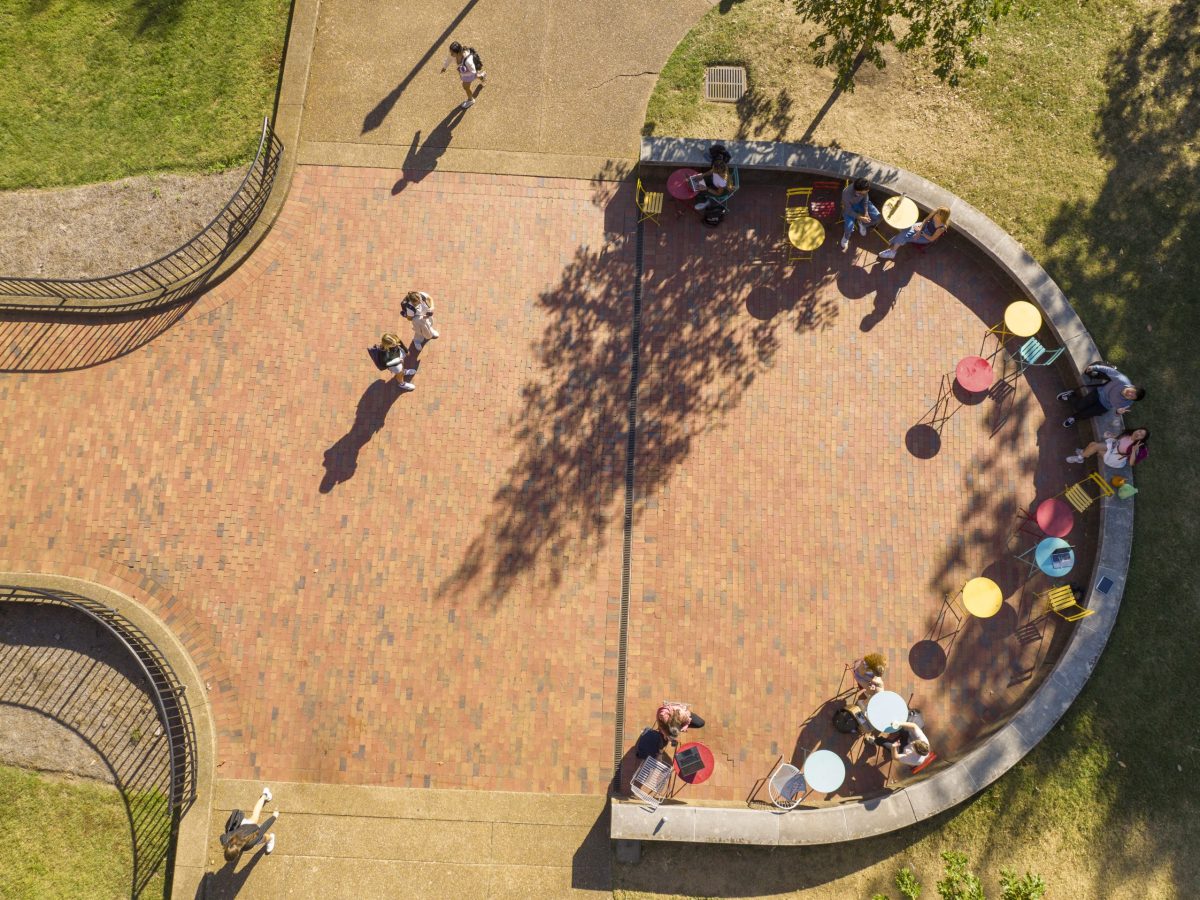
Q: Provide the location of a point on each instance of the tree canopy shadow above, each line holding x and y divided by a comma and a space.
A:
699, 351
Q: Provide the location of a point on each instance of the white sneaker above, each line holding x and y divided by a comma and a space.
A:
271, 844
1077, 458
467, 104
844, 243
267, 793
862, 229
888, 254
702, 205
407, 386
409, 373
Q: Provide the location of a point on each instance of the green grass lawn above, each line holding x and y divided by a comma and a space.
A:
62, 839
98, 90
1080, 138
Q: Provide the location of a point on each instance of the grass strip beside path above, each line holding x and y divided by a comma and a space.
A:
1079, 138
63, 839
102, 90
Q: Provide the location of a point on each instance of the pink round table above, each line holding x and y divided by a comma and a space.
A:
677, 184
706, 755
1054, 517
974, 373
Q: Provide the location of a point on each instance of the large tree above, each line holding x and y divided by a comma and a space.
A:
856, 31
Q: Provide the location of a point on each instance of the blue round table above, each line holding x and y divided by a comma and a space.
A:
1045, 549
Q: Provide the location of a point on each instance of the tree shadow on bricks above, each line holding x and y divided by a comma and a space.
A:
341, 460
700, 351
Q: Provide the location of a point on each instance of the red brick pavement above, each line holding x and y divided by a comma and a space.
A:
424, 589
403, 589
784, 527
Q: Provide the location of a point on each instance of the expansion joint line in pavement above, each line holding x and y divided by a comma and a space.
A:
627, 537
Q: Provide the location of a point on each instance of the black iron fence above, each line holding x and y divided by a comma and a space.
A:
180, 275
156, 773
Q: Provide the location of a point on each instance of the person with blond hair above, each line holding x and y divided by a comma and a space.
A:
936, 224
394, 355
418, 309
242, 832
868, 673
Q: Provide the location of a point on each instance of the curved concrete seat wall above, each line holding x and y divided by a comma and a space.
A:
995, 754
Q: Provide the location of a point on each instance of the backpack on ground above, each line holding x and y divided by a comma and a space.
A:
713, 214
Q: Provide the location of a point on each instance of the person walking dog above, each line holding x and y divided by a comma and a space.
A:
470, 68
418, 309
243, 831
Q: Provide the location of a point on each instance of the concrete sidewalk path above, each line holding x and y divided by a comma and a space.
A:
365, 842
568, 83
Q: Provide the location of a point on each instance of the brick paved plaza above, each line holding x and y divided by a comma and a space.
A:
424, 589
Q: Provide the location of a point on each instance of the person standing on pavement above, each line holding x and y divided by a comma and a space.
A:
857, 208
470, 68
1116, 394
418, 309
242, 832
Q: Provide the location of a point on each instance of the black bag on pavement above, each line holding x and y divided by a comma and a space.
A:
713, 214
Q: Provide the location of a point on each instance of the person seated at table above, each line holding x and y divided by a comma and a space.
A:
907, 743
672, 719
719, 188
936, 224
1120, 450
868, 673
857, 208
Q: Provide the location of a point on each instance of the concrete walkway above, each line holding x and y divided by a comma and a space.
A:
568, 83
363, 842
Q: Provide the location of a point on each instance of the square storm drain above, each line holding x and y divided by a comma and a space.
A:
724, 84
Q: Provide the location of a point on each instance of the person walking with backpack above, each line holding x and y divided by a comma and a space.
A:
418, 309
243, 831
390, 353
1115, 394
470, 68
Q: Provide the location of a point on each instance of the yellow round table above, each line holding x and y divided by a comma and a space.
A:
1022, 318
900, 212
806, 233
982, 597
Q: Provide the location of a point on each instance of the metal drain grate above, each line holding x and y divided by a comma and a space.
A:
724, 84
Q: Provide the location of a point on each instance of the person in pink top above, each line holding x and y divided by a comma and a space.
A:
673, 719
1120, 450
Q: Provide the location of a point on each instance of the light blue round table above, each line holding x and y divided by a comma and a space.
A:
1045, 549
885, 708
824, 771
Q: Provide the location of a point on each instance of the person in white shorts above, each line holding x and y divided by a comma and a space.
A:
468, 69
418, 309
394, 356
1120, 450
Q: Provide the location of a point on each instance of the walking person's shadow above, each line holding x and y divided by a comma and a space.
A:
341, 460
422, 158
